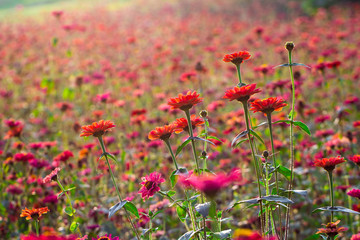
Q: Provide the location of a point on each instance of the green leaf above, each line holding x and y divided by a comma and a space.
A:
240, 135
202, 139
181, 171
173, 179
178, 150
300, 64
171, 193
60, 194
312, 237
292, 64
155, 214
181, 212
282, 65
69, 211
284, 171
252, 132
190, 234
251, 201
116, 208
112, 157
74, 225
335, 209
277, 198
244, 140
222, 235
303, 127
68, 94
55, 41
215, 138
261, 124
203, 209
132, 208
303, 193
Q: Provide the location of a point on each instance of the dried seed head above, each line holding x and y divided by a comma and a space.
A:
203, 113
289, 46
265, 154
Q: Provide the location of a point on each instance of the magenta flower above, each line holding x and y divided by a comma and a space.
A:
51, 176
150, 185
210, 185
354, 193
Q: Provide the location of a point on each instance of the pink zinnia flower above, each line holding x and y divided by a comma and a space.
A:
210, 185
51, 176
150, 185
354, 193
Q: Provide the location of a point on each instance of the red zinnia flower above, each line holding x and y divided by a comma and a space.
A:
97, 129
355, 159
34, 213
354, 193
150, 185
162, 133
237, 58
185, 102
182, 124
51, 176
242, 94
328, 163
247, 234
331, 229
268, 105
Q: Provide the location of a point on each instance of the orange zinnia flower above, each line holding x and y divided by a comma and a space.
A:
331, 229
237, 58
185, 102
97, 129
328, 163
34, 213
268, 105
162, 133
242, 94
182, 124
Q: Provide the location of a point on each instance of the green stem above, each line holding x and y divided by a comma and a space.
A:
350, 218
167, 142
275, 165
150, 226
66, 194
267, 194
191, 213
291, 144
116, 187
37, 227
204, 223
256, 163
239, 73
331, 193
205, 143
192, 140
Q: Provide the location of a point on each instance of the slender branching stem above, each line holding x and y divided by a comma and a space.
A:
116, 187
256, 162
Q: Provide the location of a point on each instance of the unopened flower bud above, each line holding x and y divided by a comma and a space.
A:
265, 154
203, 113
203, 154
289, 46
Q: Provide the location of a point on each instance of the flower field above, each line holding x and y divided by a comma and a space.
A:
181, 120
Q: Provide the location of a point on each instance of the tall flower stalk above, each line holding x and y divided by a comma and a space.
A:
116, 187
289, 47
98, 129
